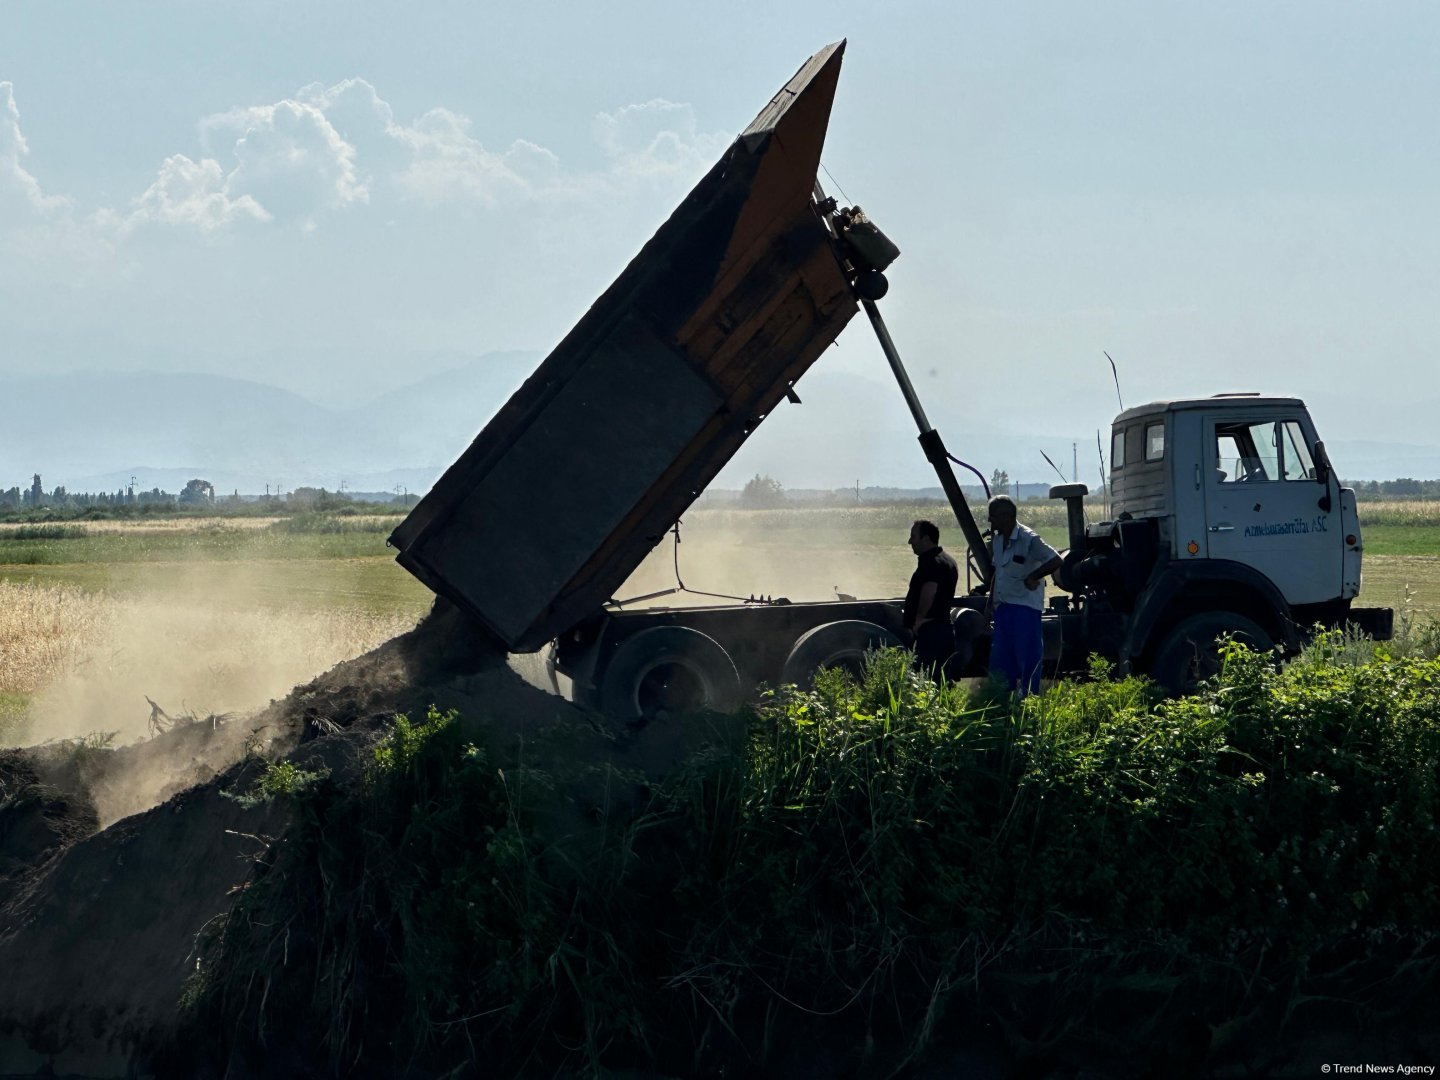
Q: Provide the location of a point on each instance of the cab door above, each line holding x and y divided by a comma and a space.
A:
1263, 503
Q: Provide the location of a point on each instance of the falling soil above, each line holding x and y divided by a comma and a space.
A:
98, 926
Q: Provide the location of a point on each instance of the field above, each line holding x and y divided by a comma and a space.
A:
224, 613
200, 616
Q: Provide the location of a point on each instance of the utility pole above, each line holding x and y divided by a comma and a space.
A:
1074, 461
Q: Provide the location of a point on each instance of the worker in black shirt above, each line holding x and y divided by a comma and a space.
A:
932, 591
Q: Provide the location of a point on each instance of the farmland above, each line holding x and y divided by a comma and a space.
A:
176, 609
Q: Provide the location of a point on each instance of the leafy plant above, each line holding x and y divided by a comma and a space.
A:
278, 780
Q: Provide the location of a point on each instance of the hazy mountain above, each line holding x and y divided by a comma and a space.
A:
431, 421
93, 432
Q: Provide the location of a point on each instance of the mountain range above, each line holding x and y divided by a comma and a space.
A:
95, 432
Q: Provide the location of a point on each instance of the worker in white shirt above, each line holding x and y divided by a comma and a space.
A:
1017, 596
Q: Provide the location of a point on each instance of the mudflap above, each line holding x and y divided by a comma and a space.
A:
1374, 622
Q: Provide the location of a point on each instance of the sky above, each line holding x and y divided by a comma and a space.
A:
339, 198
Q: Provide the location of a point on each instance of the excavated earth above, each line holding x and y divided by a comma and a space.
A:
98, 926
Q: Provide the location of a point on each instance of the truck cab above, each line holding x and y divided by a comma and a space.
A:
1225, 514
1245, 479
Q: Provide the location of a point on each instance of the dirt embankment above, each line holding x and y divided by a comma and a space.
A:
98, 926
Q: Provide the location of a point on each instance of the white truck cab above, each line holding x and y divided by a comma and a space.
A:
1227, 517
1244, 478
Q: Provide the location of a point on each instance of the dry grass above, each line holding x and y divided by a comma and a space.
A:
150, 526
86, 661
44, 631
1416, 512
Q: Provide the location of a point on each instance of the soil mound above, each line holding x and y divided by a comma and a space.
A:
98, 926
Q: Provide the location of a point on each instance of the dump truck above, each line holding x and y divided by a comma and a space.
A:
1227, 517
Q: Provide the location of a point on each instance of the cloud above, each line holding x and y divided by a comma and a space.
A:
194, 193
362, 118
447, 162
17, 187
656, 139
436, 159
331, 149
289, 159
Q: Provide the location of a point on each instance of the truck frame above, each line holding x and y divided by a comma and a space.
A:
1227, 515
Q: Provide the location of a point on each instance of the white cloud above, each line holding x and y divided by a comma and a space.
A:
17, 186
334, 148
193, 193
658, 139
290, 160
361, 117
447, 162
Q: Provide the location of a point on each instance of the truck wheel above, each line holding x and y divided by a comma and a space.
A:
666, 671
837, 644
970, 626
1190, 653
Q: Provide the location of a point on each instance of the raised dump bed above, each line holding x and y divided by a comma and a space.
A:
580, 474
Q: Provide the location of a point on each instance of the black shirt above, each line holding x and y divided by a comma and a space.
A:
940, 568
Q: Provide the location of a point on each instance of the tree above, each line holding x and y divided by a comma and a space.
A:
198, 491
762, 492
999, 482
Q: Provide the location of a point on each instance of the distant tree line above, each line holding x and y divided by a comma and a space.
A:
35, 497
197, 494
1401, 488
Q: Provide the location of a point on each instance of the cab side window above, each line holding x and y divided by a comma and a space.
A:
1296, 462
1248, 451
1155, 442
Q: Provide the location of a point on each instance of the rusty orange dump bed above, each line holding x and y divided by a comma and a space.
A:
580, 474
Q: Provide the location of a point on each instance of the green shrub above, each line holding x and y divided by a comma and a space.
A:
279, 780
889, 864
44, 532
331, 522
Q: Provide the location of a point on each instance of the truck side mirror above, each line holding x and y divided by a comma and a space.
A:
1322, 474
1322, 462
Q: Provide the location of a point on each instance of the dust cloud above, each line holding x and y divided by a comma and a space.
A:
199, 648
805, 555
194, 653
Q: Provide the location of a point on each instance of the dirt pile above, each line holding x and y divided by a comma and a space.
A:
98, 925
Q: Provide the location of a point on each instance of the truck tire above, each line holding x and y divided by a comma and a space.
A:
666, 671
836, 644
1190, 653
970, 627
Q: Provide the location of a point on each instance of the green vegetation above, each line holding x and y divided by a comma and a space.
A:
13, 707
303, 501
214, 544
891, 871
279, 780
334, 523
43, 532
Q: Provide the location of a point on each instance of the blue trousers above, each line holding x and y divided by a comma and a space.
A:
1017, 648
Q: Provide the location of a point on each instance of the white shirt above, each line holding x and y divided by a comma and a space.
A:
1017, 556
